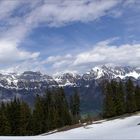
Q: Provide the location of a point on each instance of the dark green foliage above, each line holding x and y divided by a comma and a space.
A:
50, 112
130, 97
4, 123
109, 104
38, 116
137, 97
54, 111
75, 106
120, 98
120, 101
63, 109
25, 119
13, 116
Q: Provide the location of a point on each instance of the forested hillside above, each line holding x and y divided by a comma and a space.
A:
50, 112
120, 98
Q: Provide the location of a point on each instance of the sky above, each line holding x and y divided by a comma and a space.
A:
54, 36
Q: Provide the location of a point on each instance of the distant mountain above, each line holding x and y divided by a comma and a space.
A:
115, 72
28, 84
34, 80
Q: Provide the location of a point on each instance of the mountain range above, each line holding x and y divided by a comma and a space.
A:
28, 84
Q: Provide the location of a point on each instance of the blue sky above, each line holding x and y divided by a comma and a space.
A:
68, 35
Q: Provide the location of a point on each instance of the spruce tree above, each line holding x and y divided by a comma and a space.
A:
130, 97
38, 116
71, 105
77, 103
63, 109
137, 97
120, 102
50, 112
5, 128
13, 116
109, 106
75, 106
50, 109
25, 118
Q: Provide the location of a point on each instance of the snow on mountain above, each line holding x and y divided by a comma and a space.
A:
67, 79
114, 72
26, 79
30, 79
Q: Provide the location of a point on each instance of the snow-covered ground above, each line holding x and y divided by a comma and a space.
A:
124, 128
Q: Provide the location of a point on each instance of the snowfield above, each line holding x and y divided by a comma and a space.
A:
122, 128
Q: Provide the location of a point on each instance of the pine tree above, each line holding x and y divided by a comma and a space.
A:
130, 97
5, 128
137, 97
38, 116
71, 105
109, 106
114, 94
77, 103
120, 102
13, 116
25, 118
75, 106
63, 109
49, 111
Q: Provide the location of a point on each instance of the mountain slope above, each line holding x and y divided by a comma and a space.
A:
126, 128
122, 128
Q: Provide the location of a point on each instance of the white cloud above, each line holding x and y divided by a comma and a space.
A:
122, 55
13, 32
62, 12
58, 58
101, 53
10, 53
18, 19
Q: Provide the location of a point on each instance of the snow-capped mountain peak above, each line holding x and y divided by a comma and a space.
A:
67, 79
31, 80
114, 72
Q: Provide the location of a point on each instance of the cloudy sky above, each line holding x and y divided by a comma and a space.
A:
68, 35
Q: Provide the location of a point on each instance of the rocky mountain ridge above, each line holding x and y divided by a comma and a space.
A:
30, 79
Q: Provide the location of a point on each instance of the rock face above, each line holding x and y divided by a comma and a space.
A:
28, 84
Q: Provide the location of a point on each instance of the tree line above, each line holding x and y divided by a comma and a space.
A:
51, 111
120, 98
